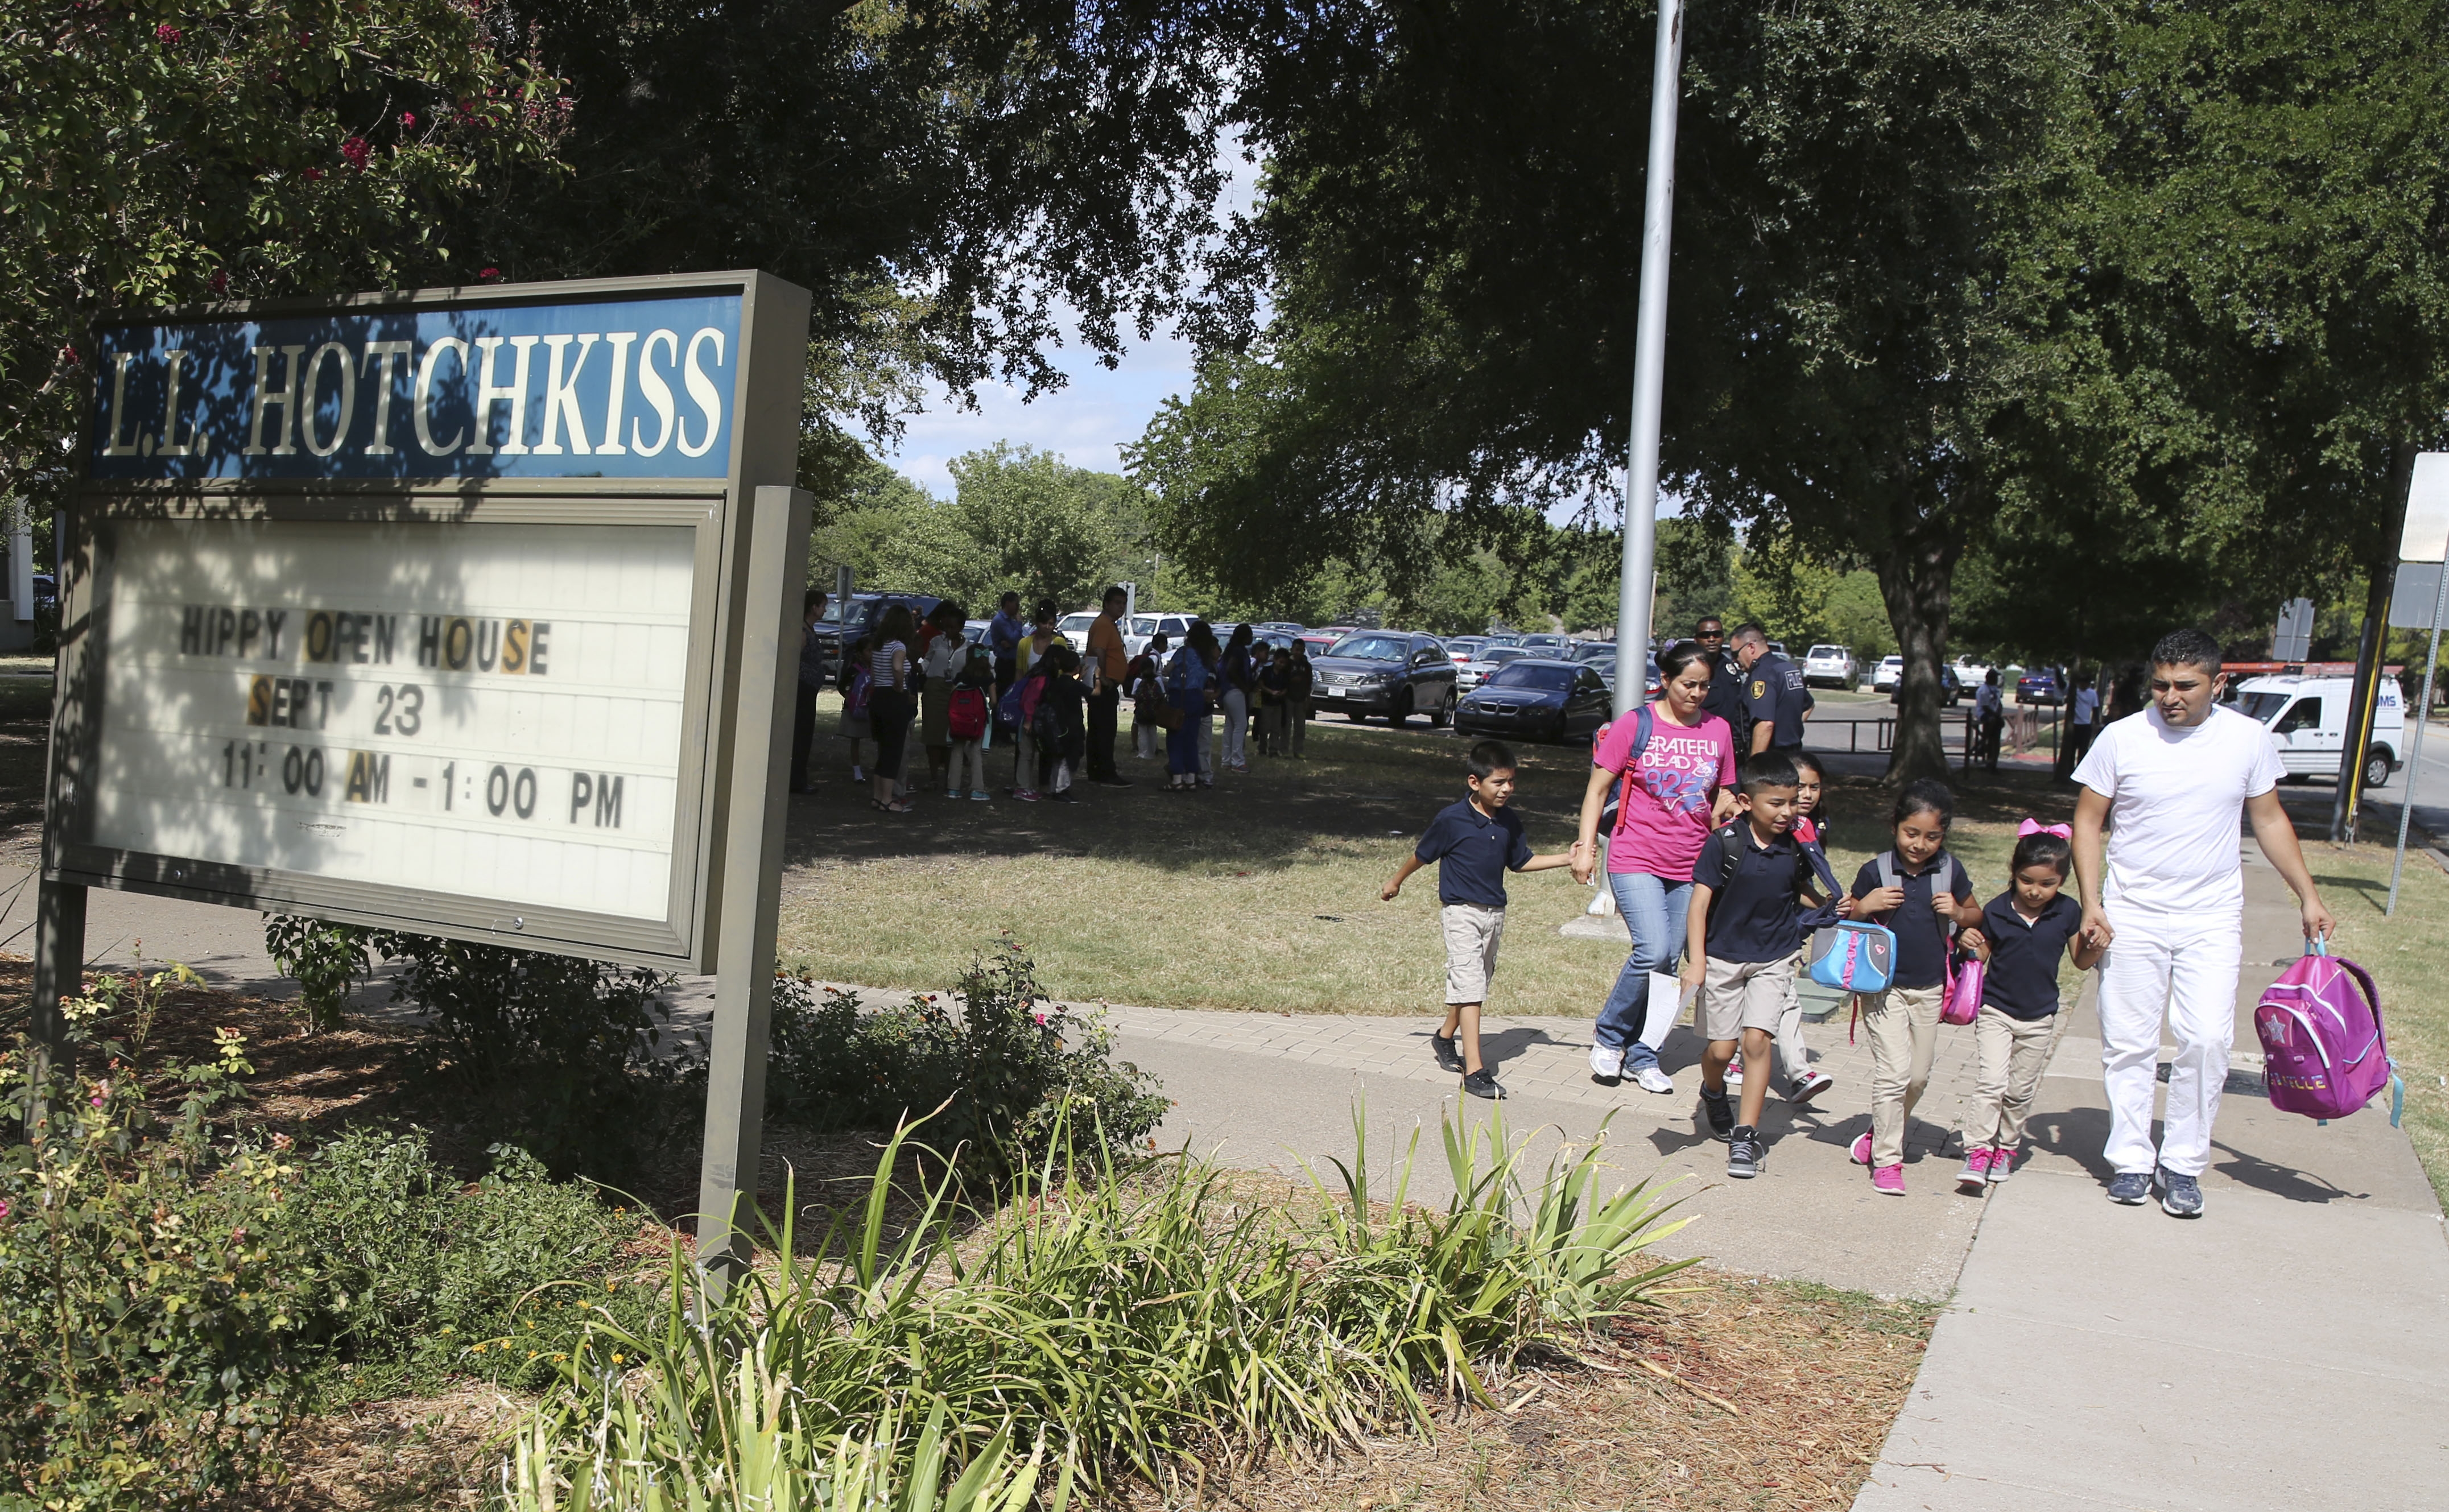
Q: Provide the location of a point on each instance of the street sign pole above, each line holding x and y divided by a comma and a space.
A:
1633, 594
2414, 755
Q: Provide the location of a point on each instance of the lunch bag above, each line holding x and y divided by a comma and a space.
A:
2324, 1052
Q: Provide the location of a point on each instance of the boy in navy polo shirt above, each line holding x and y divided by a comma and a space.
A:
1475, 842
1749, 887
2024, 932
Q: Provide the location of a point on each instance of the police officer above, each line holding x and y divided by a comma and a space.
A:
1774, 697
1726, 695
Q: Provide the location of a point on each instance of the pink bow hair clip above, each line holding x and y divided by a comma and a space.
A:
2033, 827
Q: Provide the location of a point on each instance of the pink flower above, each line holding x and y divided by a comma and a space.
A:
313, 175
407, 118
221, 281
488, 275
3, 1207
356, 151
167, 34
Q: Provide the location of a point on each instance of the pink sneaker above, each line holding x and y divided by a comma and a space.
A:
1860, 1150
2002, 1161
1027, 795
1889, 1181
1976, 1174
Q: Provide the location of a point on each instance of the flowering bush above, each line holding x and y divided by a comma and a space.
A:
154, 1310
1003, 1071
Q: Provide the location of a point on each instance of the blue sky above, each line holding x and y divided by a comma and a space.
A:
1085, 423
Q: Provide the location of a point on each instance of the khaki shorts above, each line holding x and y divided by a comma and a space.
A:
1472, 932
1740, 995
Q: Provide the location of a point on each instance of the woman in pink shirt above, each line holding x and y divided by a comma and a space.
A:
1681, 786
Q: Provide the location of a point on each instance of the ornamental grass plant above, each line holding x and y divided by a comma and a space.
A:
1126, 1322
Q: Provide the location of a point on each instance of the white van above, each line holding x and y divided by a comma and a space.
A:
2307, 719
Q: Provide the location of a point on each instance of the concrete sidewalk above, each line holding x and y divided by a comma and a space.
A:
2288, 1350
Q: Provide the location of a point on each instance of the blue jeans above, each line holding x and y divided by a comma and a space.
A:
1655, 910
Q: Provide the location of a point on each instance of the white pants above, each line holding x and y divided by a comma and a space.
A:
1237, 727
2185, 964
969, 757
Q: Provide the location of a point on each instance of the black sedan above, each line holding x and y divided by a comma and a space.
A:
1393, 674
1537, 699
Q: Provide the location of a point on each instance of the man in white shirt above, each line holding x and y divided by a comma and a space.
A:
2170, 910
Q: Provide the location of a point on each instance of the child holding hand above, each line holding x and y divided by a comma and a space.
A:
2024, 931
1921, 893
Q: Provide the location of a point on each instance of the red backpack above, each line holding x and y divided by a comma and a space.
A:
967, 713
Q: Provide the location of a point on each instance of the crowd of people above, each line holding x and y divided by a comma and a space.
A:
1715, 850
1702, 812
1024, 688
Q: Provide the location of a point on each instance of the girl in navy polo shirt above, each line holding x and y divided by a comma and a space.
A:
2023, 932
1928, 898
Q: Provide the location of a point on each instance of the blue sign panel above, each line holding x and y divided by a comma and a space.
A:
629, 387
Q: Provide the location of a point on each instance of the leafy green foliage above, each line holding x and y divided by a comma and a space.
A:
1002, 1082
154, 153
326, 960
153, 1317
1022, 521
1125, 1321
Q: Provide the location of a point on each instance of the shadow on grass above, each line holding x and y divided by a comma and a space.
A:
1354, 784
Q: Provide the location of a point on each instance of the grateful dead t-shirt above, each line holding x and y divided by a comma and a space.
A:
1660, 828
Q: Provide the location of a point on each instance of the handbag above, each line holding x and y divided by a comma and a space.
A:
1963, 1003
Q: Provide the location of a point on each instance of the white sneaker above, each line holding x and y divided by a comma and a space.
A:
1735, 1072
1652, 1079
1607, 1065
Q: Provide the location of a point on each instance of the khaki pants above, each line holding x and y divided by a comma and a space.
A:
1903, 1026
1793, 1057
1471, 933
2013, 1053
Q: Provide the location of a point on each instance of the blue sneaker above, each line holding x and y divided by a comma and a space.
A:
2180, 1196
2130, 1187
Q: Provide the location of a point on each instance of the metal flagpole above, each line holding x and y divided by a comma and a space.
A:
2414, 757
1632, 603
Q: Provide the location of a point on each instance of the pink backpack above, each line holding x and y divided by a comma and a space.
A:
2324, 1053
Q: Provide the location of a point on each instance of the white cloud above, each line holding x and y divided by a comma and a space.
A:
1085, 423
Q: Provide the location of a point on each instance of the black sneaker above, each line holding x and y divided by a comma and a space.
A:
1744, 1156
1064, 797
1483, 1084
1113, 781
1720, 1109
1449, 1058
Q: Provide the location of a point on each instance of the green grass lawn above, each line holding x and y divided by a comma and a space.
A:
1261, 893
2408, 955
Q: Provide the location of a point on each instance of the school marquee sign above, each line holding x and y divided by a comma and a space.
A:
427, 610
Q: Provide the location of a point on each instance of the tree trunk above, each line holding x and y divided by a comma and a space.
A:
1917, 574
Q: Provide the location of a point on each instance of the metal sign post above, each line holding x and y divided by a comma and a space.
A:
2293, 640
1634, 590
2425, 538
457, 612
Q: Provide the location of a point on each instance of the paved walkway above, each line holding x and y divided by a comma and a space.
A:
2288, 1350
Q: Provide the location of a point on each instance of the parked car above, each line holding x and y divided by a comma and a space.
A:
2039, 685
1502, 638
1557, 646
1074, 628
1464, 648
1950, 689
2307, 719
1280, 627
975, 632
1890, 671
1472, 673
1971, 672
1319, 642
1829, 667
1537, 698
1387, 672
1594, 651
1141, 629
844, 627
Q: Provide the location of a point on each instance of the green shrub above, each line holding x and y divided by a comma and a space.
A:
562, 1057
173, 1289
155, 1316
325, 960
1129, 1322
425, 1281
997, 1081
